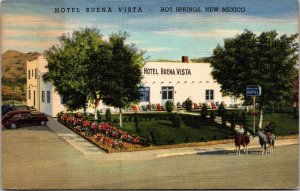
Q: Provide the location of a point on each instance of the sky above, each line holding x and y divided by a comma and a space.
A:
33, 25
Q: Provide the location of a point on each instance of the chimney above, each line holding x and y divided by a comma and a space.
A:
185, 59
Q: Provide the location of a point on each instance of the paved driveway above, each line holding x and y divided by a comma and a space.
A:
37, 158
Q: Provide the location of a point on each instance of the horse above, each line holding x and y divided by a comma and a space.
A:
264, 141
241, 139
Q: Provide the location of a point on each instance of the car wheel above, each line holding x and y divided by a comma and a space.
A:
42, 123
13, 126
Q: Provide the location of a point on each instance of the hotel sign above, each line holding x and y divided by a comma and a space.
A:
253, 90
167, 71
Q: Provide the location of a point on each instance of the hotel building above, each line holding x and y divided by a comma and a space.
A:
162, 81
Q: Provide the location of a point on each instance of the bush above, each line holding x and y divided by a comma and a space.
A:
169, 106
204, 111
176, 120
221, 110
99, 116
222, 114
188, 104
108, 115
137, 123
152, 138
212, 115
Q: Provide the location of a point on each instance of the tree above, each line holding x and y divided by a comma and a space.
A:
77, 66
265, 60
123, 77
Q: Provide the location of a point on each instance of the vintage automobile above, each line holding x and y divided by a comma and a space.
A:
8, 108
17, 118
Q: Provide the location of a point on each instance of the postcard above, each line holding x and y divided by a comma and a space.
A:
156, 94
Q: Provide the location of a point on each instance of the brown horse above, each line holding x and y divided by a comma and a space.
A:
241, 139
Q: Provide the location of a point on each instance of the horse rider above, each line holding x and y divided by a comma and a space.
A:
268, 130
240, 132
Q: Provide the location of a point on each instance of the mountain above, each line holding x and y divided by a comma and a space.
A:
14, 74
14, 64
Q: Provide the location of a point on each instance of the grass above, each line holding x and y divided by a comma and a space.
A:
193, 129
164, 132
283, 123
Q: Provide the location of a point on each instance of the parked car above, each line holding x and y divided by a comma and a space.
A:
8, 108
21, 107
18, 118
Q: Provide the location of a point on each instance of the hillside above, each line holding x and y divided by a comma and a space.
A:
14, 74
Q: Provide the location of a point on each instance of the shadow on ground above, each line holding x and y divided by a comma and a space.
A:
227, 152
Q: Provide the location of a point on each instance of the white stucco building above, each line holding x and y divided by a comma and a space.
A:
42, 95
162, 81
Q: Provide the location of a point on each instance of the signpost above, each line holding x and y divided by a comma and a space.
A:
253, 91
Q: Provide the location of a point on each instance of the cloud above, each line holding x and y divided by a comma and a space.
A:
33, 33
196, 34
26, 20
158, 49
26, 45
222, 17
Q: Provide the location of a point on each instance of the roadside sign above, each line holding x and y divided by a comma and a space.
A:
253, 90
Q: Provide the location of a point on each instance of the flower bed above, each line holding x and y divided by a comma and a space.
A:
108, 138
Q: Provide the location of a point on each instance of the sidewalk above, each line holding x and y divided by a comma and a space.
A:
92, 152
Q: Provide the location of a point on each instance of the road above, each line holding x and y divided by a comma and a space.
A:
37, 158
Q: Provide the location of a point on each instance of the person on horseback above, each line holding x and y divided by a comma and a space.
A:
240, 132
268, 130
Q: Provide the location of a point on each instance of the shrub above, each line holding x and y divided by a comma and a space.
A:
221, 110
137, 123
176, 120
108, 115
222, 113
204, 111
169, 106
188, 104
212, 115
152, 138
99, 116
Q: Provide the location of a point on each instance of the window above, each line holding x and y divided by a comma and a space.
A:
209, 94
28, 74
27, 115
167, 92
29, 94
32, 72
17, 116
145, 94
43, 96
35, 73
48, 96
61, 99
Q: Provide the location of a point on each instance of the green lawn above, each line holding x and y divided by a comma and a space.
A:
284, 123
193, 129
165, 133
